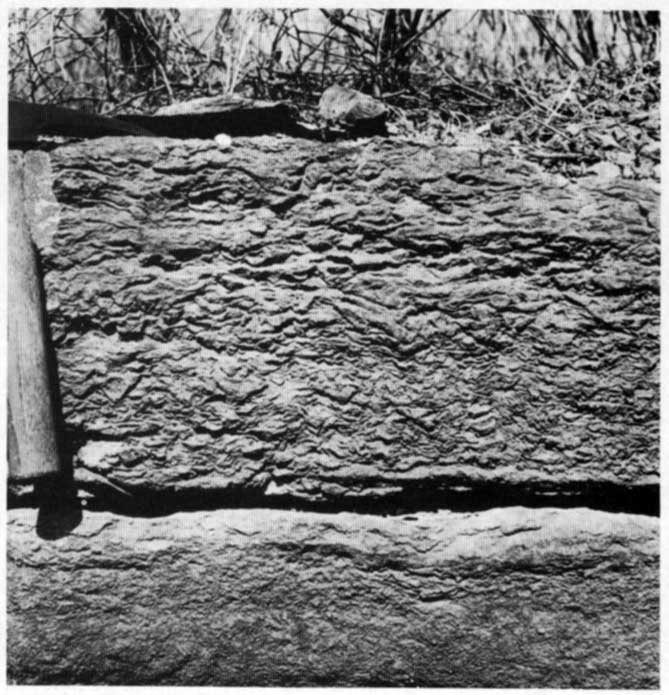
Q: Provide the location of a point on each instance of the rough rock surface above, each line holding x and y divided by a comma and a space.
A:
363, 320
514, 597
291, 323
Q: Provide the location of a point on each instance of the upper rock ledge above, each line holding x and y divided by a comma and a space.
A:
346, 321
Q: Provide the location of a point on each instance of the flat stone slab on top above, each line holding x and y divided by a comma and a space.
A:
208, 116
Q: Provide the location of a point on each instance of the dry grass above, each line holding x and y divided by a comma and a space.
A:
70, 55
573, 88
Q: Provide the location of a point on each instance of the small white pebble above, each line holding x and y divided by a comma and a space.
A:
223, 140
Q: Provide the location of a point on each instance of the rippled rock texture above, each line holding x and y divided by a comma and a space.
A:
439, 339
350, 321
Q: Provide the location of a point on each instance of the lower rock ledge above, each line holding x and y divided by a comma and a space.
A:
509, 597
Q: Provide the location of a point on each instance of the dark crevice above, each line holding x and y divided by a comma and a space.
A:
186, 254
160, 261
418, 497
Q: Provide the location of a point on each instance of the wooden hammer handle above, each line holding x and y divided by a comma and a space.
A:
32, 443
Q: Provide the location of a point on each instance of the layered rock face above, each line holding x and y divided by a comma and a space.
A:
358, 329
550, 598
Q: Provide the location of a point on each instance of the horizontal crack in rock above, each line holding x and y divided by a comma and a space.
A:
639, 499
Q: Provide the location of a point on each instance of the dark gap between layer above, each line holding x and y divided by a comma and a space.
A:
420, 497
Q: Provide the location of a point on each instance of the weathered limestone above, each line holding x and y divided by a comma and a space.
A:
514, 597
371, 325
351, 321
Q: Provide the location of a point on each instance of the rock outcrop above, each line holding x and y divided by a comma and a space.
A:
354, 321
396, 362
503, 598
